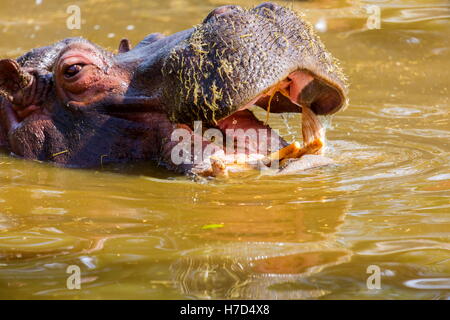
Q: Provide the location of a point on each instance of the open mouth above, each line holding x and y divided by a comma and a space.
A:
300, 92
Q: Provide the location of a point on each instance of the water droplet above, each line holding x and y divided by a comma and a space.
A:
440, 177
321, 25
88, 262
413, 40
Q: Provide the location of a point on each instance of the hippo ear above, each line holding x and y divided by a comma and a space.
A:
124, 46
12, 78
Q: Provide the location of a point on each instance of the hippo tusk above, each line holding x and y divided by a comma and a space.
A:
313, 141
312, 131
283, 153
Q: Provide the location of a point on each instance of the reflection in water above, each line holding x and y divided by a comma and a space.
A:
279, 277
270, 260
397, 246
138, 232
436, 283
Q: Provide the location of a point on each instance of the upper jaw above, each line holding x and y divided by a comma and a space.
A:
300, 89
237, 56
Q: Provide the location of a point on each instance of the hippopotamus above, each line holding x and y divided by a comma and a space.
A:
76, 104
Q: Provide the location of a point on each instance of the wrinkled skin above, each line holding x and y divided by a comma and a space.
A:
77, 105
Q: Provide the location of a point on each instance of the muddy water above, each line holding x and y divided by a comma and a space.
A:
140, 232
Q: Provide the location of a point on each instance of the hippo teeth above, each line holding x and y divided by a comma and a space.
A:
313, 132
288, 96
313, 141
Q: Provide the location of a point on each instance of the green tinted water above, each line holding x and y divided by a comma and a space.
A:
141, 232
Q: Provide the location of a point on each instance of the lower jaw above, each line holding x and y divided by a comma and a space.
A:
313, 140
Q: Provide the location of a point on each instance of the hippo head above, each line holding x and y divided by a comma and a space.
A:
77, 104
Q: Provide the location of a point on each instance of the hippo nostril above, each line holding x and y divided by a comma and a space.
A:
267, 5
222, 11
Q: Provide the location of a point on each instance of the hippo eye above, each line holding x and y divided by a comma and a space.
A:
73, 70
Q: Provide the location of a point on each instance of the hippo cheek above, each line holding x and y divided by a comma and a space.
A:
3, 131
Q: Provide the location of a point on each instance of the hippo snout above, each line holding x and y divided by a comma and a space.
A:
221, 11
236, 56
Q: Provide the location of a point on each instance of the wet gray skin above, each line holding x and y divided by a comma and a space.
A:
75, 104
237, 54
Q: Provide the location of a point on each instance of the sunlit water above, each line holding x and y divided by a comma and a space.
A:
141, 232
